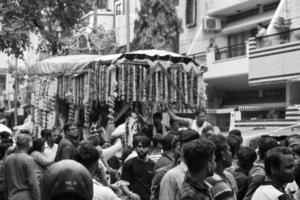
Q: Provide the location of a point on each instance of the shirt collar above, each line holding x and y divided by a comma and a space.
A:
204, 186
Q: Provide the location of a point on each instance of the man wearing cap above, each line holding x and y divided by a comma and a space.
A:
173, 179
67, 180
20, 180
197, 124
66, 147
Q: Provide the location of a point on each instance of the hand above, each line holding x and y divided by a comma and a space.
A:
134, 196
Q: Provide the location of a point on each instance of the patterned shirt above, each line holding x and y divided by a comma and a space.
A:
192, 190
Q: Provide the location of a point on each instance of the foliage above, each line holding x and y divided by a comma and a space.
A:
44, 17
103, 41
157, 26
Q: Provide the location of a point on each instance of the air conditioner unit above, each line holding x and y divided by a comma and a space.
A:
211, 24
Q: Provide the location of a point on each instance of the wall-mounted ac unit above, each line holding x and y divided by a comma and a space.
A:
211, 24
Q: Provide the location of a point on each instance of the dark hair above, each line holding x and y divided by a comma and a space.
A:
273, 157
221, 145
67, 126
197, 153
264, 145
234, 142
87, 153
200, 110
294, 136
5, 134
166, 142
246, 157
146, 142
48, 133
206, 129
94, 116
43, 133
236, 132
157, 115
37, 145
94, 140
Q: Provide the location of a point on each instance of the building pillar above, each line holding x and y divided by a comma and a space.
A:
288, 95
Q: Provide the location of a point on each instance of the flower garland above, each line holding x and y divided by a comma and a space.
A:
144, 98
186, 95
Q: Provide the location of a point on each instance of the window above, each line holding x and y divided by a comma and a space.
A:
102, 4
119, 9
190, 13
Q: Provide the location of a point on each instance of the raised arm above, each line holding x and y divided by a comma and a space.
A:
180, 119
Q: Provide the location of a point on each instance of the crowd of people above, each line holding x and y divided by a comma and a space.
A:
189, 160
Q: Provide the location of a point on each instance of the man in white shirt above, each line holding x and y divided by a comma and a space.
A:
197, 124
50, 147
279, 167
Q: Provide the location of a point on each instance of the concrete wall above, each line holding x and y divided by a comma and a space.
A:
228, 67
120, 21
188, 34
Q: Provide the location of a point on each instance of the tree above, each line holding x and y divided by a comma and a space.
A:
157, 26
48, 18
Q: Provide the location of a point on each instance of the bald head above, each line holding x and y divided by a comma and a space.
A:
23, 141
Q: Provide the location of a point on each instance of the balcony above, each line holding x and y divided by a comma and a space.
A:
274, 58
227, 61
227, 8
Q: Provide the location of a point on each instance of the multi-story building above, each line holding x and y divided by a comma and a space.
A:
258, 77
120, 20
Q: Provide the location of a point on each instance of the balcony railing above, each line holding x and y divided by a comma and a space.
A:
278, 38
230, 51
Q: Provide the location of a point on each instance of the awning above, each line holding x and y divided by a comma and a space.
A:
248, 23
274, 80
262, 106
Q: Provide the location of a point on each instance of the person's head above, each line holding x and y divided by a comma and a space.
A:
94, 140
208, 131
157, 117
166, 142
234, 142
199, 156
71, 130
235, 132
141, 143
87, 155
5, 136
223, 153
184, 136
200, 116
23, 142
279, 164
174, 125
292, 140
264, 145
246, 157
38, 145
67, 180
49, 136
211, 41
